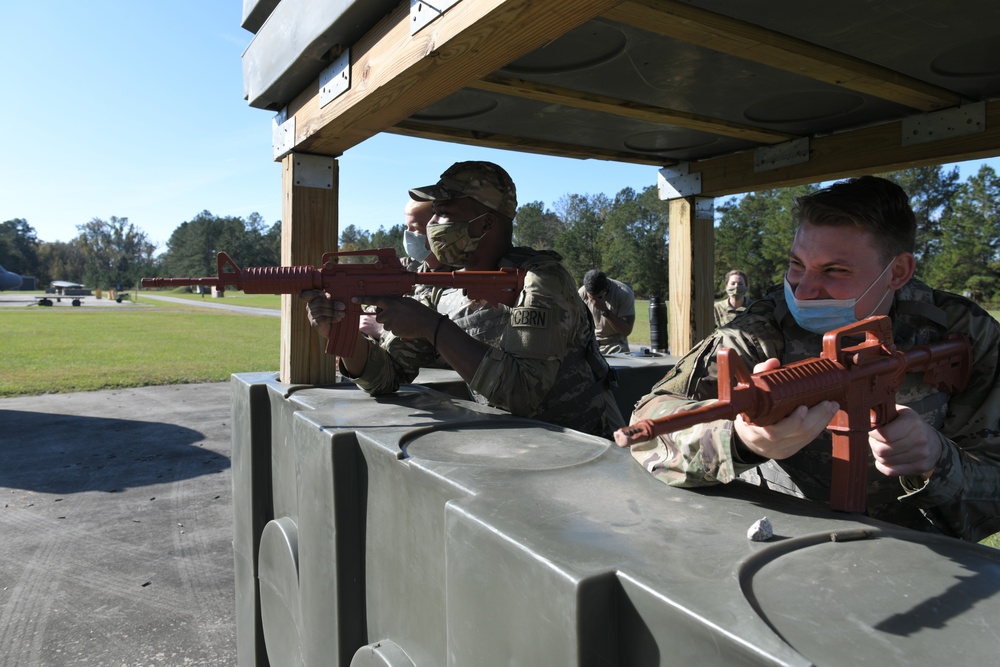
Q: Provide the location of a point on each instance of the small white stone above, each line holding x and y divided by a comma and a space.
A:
760, 531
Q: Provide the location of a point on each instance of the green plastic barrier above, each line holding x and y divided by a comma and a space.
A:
422, 529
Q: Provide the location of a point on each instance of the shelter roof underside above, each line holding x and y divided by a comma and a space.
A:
746, 94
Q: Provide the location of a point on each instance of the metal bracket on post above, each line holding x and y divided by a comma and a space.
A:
945, 124
675, 182
282, 134
335, 79
767, 158
704, 208
313, 171
423, 12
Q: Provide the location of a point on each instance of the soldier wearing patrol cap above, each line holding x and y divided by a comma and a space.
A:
936, 466
539, 359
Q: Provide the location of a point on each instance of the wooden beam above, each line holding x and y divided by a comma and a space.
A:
576, 99
692, 265
308, 229
686, 23
865, 151
394, 75
522, 144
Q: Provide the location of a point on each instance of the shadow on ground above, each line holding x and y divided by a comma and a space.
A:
70, 453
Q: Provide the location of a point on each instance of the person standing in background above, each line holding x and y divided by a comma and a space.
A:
736, 300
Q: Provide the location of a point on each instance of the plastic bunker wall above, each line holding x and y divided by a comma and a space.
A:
422, 529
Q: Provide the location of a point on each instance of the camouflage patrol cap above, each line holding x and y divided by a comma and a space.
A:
485, 182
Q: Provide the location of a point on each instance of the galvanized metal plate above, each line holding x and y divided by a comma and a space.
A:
282, 134
946, 124
313, 171
335, 79
423, 12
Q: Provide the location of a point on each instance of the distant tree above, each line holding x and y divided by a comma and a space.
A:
580, 243
966, 257
536, 227
254, 243
19, 247
60, 261
754, 234
634, 237
193, 246
353, 237
117, 252
932, 192
272, 239
389, 238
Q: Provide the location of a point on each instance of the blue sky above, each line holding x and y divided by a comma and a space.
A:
136, 110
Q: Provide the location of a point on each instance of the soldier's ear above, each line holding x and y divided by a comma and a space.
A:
903, 267
489, 220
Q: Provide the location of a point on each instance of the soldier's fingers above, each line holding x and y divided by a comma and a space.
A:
381, 302
312, 294
906, 423
818, 417
787, 436
766, 365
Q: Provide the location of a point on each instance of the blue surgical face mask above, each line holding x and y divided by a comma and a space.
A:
415, 245
822, 315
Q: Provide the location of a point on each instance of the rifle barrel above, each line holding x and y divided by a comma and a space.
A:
647, 429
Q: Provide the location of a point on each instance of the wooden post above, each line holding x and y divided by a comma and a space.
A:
692, 266
310, 186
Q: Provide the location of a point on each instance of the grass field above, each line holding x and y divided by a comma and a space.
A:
55, 350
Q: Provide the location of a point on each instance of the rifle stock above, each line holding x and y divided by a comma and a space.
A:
862, 378
342, 282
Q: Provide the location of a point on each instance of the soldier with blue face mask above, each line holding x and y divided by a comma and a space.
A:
418, 249
937, 465
418, 257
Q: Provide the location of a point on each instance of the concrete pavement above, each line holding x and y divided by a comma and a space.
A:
18, 299
21, 300
116, 526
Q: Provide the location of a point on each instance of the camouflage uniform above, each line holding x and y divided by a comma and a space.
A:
543, 362
724, 313
962, 498
621, 302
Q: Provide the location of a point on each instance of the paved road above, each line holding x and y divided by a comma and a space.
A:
214, 303
116, 527
21, 300
15, 299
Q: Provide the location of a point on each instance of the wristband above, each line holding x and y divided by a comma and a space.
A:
437, 328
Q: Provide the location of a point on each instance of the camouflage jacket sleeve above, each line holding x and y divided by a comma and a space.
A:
703, 454
514, 375
394, 362
962, 497
548, 318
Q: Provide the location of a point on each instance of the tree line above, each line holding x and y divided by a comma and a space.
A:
115, 253
626, 236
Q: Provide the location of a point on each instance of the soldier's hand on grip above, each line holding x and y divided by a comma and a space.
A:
906, 446
406, 318
322, 312
784, 438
